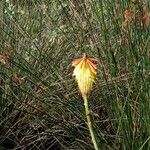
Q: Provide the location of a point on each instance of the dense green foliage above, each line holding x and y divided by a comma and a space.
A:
40, 105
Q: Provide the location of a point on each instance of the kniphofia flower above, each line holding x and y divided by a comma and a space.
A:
85, 73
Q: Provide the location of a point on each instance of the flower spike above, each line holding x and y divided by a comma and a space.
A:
85, 73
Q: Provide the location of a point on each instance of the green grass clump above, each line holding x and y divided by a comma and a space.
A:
40, 107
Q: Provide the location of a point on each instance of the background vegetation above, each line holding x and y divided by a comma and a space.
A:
40, 105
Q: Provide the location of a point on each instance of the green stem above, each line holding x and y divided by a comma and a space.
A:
90, 123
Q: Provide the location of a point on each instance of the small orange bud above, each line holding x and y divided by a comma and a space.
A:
128, 17
4, 57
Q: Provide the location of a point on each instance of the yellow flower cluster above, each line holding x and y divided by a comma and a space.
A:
85, 73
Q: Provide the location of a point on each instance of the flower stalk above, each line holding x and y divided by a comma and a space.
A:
90, 123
